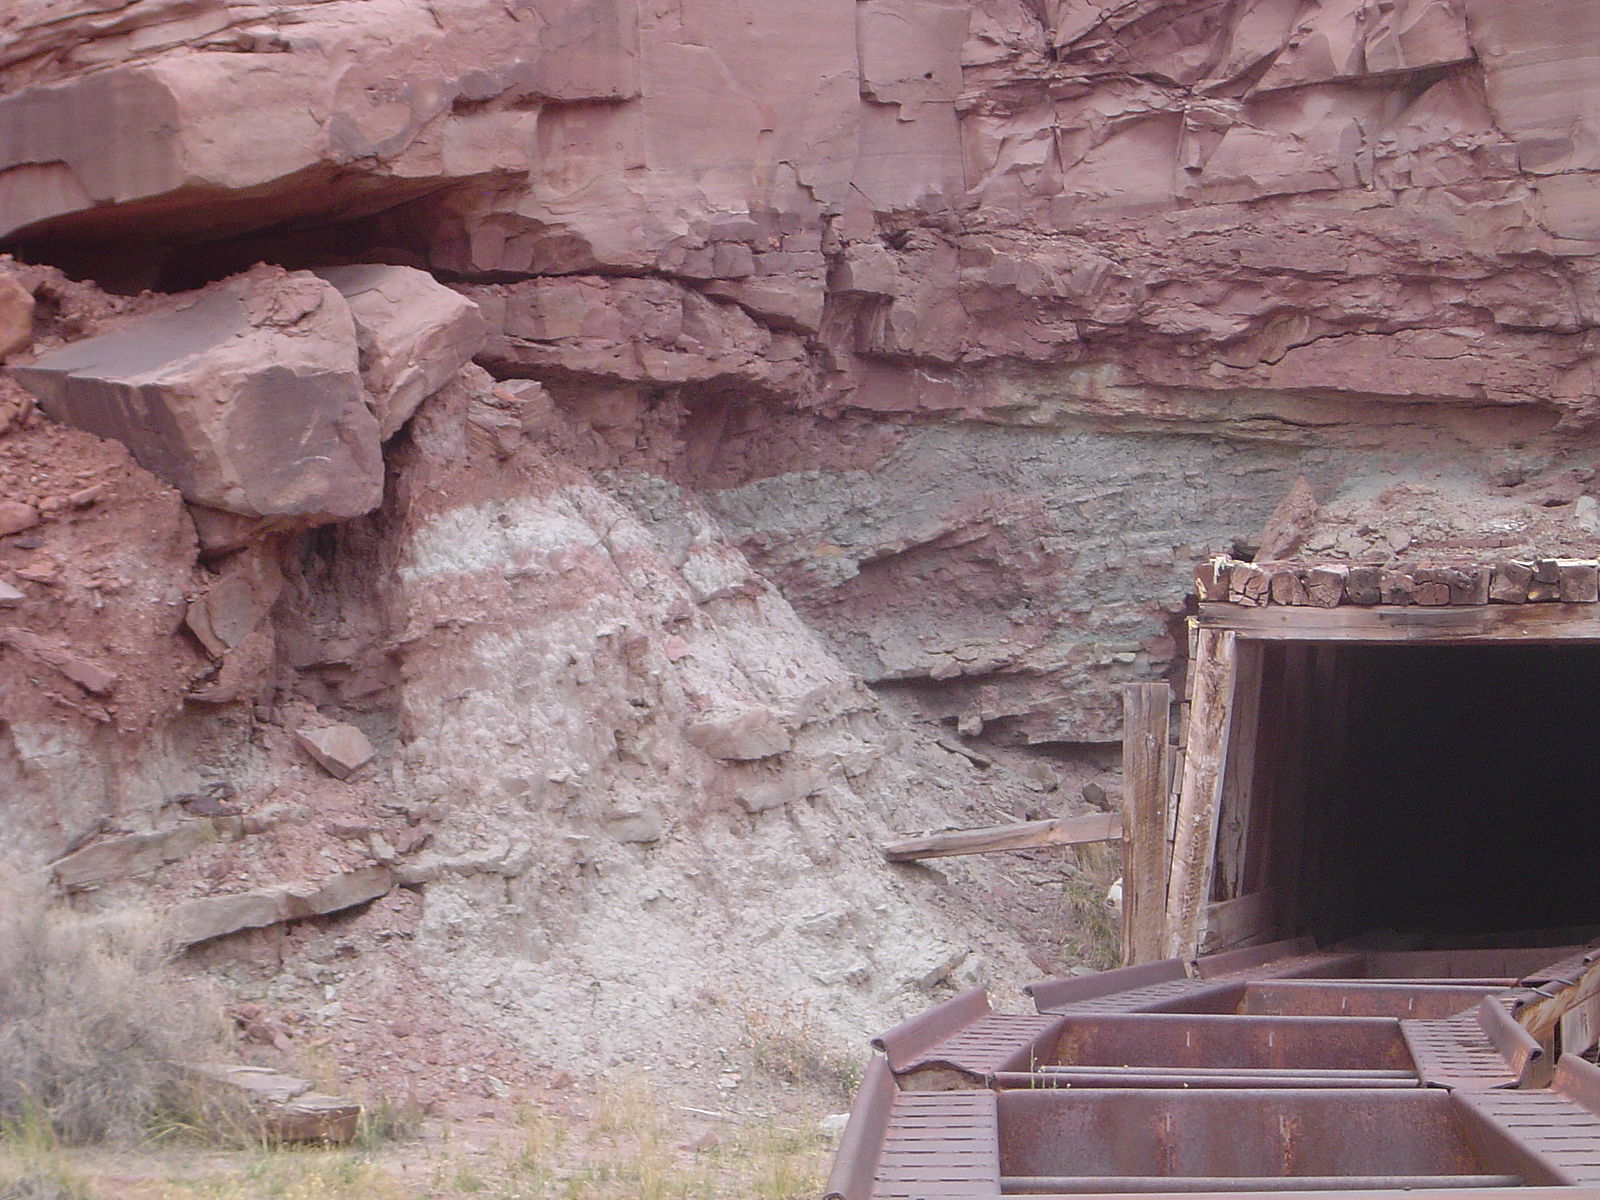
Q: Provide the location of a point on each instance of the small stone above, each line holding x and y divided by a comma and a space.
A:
833, 1124
15, 517
10, 597
1094, 794
341, 750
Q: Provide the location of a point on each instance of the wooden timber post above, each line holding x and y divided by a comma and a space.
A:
1214, 671
1146, 729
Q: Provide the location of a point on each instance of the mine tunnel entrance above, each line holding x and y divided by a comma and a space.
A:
1447, 790
1436, 786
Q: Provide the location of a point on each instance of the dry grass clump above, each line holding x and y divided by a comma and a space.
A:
788, 1045
1094, 928
93, 1029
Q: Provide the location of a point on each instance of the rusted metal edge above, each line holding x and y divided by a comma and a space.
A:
1089, 1185
1449, 1193
1250, 957
1579, 1081
1511, 1041
856, 1166
904, 1045
1111, 1077
1068, 989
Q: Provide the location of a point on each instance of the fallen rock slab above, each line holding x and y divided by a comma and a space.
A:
216, 916
249, 401
414, 334
289, 1110
340, 750
138, 853
87, 675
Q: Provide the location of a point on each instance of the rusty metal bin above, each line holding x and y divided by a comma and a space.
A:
1161, 1140
1209, 1041
1331, 998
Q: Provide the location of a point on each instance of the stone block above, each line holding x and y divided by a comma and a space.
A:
248, 401
414, 334
341, 750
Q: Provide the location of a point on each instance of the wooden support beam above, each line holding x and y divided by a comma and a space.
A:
1213, 671
1146, 785
1545, 622
1027, 835
1577, 1005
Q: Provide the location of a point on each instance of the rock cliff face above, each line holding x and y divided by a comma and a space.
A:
834, 368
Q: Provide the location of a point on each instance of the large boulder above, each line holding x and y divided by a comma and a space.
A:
415, 334
248, 401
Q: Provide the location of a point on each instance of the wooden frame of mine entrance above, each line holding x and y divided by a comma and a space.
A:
1190, 809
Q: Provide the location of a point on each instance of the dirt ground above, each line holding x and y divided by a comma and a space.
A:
602, 1144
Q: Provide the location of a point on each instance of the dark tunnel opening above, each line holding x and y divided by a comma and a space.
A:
1459, 796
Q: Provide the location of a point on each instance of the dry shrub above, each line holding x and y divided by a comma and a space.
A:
93, 1026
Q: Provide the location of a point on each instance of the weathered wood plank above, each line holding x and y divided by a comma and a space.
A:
1026, 835
1211, 579
1146, 733
1543, 1014
1233, 922
1510, 581
1238, 781
1550, 622
1249, 584
1210, 722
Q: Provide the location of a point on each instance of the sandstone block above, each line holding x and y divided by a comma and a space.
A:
16, 316
741, 737
341, 750
414, 334
248, 401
